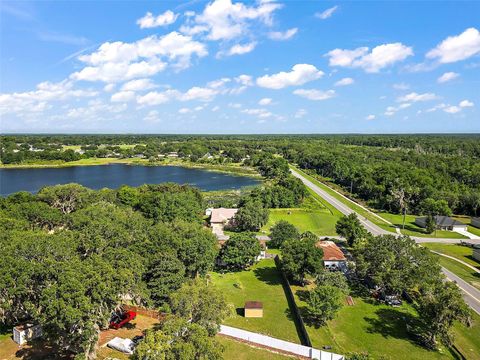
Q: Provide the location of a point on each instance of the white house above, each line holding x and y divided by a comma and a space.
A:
26, 332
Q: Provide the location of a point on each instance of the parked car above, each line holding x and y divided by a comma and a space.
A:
119, 319
392, 300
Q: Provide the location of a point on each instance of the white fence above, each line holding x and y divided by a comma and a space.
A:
278, 344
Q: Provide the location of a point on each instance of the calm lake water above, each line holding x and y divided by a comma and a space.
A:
115, 175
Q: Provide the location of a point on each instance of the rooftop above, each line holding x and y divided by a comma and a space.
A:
221, 215
331, 252
443, 220
253, 305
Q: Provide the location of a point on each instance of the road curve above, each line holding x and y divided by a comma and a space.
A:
471, 294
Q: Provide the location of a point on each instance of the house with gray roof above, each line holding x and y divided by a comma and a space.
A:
476, 222
442, 223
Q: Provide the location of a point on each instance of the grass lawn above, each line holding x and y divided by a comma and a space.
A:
473, 230
240, 351
460, 252
460, 270
468, 339
317, 221
369, 327
261, 283
315, 215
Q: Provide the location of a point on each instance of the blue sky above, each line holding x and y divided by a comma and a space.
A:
239, 67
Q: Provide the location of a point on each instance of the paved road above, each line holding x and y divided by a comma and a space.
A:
471, 294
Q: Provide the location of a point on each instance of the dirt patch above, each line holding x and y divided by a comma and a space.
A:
38, 351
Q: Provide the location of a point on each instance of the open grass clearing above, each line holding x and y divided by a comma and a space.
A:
460, 252
317, 221
262, 282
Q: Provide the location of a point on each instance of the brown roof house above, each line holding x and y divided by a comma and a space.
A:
333, 257
253, 309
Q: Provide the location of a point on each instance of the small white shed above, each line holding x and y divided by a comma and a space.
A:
26, 332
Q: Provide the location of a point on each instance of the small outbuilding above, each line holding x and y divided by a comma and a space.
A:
442, 223
26, 332
253, 309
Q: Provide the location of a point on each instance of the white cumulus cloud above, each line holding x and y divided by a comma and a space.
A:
447, 77
457, 48
466, 103
415, 97
314, 94
345, 81
378, 58
224, 20
138, 85
299, 75
123, 96
150, 21
265, 101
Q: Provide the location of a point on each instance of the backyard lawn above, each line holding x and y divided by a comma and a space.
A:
261, 283
370, 327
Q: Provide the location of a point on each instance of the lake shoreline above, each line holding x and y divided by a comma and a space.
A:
226, 169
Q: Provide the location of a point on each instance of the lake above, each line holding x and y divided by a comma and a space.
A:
114, 175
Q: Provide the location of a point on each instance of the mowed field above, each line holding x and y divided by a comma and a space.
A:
315, 215
260, 283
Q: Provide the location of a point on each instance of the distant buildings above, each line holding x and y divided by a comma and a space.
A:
442, 223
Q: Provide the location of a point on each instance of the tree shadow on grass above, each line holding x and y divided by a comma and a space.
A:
393, 323
269, 275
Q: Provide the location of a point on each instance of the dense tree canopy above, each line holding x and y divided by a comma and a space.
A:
302, 257
239, 252
70, 255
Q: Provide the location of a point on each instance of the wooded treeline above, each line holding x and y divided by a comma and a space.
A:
390, 172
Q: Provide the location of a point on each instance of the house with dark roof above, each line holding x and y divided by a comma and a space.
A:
442, 223
476, 222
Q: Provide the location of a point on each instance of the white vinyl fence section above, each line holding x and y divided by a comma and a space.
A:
278, 344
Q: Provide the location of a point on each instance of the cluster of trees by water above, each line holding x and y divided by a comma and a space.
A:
147, 244
394, 173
